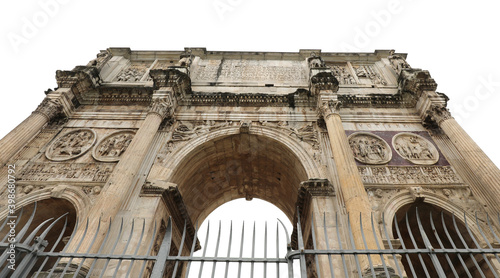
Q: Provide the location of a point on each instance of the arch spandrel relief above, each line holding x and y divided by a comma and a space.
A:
415, 148
368, 148
71, 145
113, 146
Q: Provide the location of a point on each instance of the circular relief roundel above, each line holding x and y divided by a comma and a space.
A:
369, 148
71, 145
113, 146
415, 148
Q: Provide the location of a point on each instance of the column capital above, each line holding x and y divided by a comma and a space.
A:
49, 108
329, 108
437, 113
162, 107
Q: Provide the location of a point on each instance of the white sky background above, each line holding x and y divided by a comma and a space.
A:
457, 41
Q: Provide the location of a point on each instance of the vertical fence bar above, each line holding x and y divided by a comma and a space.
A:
342, 256
229, 247
327, 245
391, 247
314, 246
113, 248
137, 247
303, 268
454, 246
253, 251
366, 246
180, 249
410, 233
100, 248
351, 237
241, 248
200, 270
161, 257
214, 264
428, 246
478, 246
484, 236
265, 250
386, 271
149, 249
192, 250
126, 247
277, 251
438, 238
78, 247
403, 246
466, 246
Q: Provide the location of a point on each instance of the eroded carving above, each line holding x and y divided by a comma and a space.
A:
306, 133
329, 108
71, 145
113, 146
342, 74
50, 108
315, 61
81, 172
408, 175
133, 73
438, 114
368, 73
415, 148
101, 59
398, 63
369, 148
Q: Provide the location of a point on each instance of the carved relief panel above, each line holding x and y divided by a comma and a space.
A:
133, 73
71, 145
343, 73
415, 148
113, 146
369, 148
367, 74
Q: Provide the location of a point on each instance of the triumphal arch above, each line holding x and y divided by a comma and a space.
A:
357, 149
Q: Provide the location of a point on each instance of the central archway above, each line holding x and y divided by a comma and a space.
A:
239, 166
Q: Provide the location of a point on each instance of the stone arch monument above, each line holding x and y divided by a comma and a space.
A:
153, 135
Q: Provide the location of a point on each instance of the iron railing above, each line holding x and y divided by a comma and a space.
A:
432, 246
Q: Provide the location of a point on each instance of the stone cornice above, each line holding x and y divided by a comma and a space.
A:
401, 100
322, 80
416, 81
175, 77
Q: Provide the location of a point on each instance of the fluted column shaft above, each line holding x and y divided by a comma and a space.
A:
481, 165
19, 136
353, 190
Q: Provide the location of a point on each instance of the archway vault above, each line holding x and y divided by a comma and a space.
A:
241, 165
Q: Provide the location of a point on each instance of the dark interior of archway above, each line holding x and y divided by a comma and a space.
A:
45, 209
239, 166
457, 261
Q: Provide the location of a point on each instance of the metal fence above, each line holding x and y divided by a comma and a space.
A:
436, 245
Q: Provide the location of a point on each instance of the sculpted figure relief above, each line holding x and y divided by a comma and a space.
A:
369, 149
343, 75
415, 148
113, 146
71, 145
369, 72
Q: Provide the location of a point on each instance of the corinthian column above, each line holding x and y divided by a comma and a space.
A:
20, 135
121, 184
353, 191
486, 172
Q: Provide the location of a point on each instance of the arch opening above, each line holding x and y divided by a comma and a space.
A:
46, 209
439, 226
239, 166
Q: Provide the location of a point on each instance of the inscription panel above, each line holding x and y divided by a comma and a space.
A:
271, 71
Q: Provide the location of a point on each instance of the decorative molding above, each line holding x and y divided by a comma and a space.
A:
415, 148
432, 175
400, 100
321, 80
416, 81
161, 107
113, 146
369, 148
71, 145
